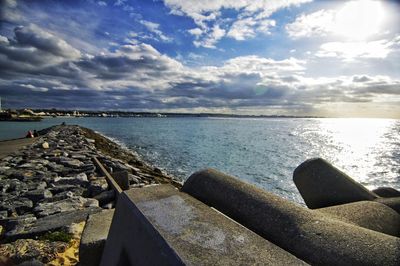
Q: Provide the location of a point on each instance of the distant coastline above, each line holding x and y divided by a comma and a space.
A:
81, 113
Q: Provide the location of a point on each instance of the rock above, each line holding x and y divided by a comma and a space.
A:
10, 223
322, 185
76, 190
27, 165
105, 197
60, 221
18, 205
97, 186
55, 167
73, 163
3, 214
94, 237
133, 179
29, 249
386, 192
78, 156
38, 194
91, 203
80, 180
59, 196
45, 145
157, 170
69, 204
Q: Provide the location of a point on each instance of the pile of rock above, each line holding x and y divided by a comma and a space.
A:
54, 183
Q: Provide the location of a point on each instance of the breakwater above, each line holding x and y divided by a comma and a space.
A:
52, 184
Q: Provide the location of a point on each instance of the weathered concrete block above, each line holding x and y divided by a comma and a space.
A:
159, 225
393, 203
386, 192
94, 237
122, 179
316, 238
322, 185
367, 214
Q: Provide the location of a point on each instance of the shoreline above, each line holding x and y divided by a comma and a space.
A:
51, 185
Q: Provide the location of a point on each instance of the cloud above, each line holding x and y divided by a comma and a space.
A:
252, 17
33, 50
195, 31
154, 28
354, 20
319, 23
40, 70
9, 11
40, 39
351, 50
248, 28
215, 34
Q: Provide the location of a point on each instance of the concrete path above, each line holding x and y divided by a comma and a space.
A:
9, 146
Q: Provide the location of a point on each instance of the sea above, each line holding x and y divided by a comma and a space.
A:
260, 151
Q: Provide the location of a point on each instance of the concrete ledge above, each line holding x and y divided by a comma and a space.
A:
316, 238
94, 237
159, 225
322, 185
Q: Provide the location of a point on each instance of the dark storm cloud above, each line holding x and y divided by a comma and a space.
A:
44, 41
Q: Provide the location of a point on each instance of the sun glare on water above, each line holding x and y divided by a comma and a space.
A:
358, 20
356, 144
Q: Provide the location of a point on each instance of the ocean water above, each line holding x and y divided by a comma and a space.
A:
263, 152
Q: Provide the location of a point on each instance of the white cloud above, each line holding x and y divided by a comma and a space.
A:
195, 31
215, 34
351, 50
102, 3
251, 19
34, 88
154, 28
318, 23
4, 40
248, 28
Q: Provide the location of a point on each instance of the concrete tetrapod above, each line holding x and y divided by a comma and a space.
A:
311, 236
323, 185
368, 214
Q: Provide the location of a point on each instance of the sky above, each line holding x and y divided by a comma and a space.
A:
265, 57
